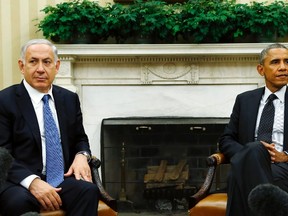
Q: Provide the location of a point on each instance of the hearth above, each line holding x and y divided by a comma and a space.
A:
175, 146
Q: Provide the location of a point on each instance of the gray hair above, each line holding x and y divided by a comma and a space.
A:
38, 41
265, 51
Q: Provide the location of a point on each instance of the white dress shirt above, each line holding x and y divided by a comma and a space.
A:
278, 126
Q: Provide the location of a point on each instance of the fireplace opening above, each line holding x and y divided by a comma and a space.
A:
157, 163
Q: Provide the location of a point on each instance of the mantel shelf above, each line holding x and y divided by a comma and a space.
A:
160, 49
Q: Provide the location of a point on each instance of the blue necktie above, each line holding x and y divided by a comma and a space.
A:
54, 155
267, 120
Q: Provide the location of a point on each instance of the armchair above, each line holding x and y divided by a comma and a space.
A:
204, 203
107, 205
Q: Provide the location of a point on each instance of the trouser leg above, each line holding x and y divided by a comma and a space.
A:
280, 175
17, 200
79, 197
249, 168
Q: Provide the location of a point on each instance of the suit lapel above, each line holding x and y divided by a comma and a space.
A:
26, 107
253, 102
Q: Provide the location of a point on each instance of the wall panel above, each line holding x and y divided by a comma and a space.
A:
17, 25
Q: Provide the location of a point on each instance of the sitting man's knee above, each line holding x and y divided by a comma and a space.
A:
256, 147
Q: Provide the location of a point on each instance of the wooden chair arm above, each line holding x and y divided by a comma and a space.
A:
95, 163
216, 159
212, 161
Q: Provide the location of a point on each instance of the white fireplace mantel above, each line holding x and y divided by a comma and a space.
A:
124, 80
160, 49
158, 64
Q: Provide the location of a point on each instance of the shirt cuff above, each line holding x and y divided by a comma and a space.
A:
28, 180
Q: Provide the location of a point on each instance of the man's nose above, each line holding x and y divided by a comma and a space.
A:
40, 67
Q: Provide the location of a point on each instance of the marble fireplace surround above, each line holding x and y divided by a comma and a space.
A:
156, 80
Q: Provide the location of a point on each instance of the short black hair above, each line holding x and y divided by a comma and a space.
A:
264, 52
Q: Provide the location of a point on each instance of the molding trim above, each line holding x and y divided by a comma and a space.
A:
163, 58
167, 64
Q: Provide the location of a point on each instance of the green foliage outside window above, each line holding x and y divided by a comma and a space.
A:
157, 21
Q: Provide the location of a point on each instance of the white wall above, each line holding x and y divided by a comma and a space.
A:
100, 102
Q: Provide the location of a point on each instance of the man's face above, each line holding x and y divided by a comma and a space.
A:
39, 69
275, 69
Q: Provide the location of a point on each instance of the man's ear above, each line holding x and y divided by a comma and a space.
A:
57, 65
260, 69
21, 66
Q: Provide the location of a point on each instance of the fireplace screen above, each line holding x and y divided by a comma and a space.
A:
148, 160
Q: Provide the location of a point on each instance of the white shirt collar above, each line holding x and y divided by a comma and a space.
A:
280, 93
34, 94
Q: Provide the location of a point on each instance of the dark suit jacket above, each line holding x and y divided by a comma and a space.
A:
20, 134
241, 127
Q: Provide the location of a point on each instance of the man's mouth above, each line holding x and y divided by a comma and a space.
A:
41, 78
282, 75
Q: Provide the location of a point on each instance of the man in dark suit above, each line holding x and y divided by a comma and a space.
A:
254, 160
22, 132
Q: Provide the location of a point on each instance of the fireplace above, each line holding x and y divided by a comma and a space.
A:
130, 145
197, 83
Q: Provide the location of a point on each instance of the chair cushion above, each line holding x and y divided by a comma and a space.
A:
212, 205
103, 210
52, 213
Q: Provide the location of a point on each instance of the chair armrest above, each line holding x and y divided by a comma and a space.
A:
216, 159
212, 162
105, 197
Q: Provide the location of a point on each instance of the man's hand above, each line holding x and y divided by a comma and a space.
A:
80, 168
46, 195
276, 156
